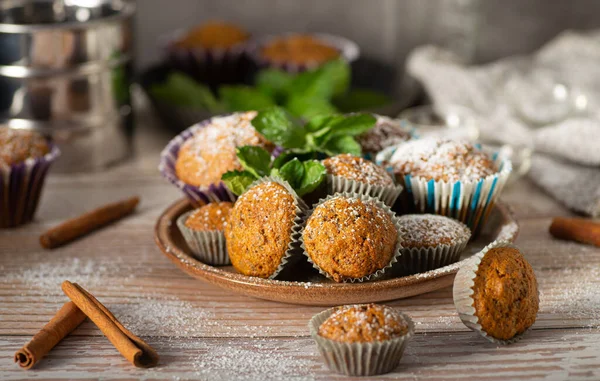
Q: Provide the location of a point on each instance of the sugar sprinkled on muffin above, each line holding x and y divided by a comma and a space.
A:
357, 169
430, 230
16, 146
210, 217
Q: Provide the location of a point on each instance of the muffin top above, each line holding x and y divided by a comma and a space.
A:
299, 49
357, 169
505, 293
206, 156
214, 35
387, 132
442, 160
209, 217
430, 230
16, 146
259, 229
364, 324
349, 238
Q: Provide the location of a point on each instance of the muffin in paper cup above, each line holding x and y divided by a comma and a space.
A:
21, 187
207, 246
380, 273
359, 359
470, 202
339, 184
347, 49
463, 294
430, 256
294, 251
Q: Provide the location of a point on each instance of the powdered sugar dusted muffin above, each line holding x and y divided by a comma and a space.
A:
209, 217
430, 241
349, 238
211, 151
361, 340
387, 132
16, 146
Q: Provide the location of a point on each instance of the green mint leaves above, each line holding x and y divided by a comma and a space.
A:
181, 90
303, 176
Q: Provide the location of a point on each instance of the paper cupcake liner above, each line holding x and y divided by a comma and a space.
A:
21, 187
294, 251
462, 293
387, 194
207, 246
470, 202
379, 273
359, 359
211, 66
348, 50
422, 259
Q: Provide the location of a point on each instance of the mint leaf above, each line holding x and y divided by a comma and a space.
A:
244, 98
254, 159
287, 155
238, 181
360, 99
314, 174
274, 82
292, 172
181, 90
277, 125
351, 125
332, 78
342, 144
309, 107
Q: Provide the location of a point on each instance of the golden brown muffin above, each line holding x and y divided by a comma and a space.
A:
214, 35
357, 169
505, 293
16, 146
387, 132
439, 160
260, 229
364, 324
209, 217
348, 238
430, 230
207, 155
299, 49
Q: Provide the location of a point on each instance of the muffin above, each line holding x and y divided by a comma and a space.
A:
350, 237
347, 173
496, 293
203, 230
430, 241
387, 132
25, 158
361, 340
262, 228
451, 178
213, 53
196, 159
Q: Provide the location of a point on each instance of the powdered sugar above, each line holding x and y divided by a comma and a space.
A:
358, 169
429, 230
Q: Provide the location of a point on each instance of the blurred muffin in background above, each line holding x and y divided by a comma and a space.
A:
213, 35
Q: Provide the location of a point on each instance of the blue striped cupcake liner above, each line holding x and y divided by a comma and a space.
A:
21, 187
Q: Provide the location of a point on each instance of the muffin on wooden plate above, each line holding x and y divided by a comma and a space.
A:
203, 230
213, 52
430, 241
25, 158
361, 340
263, 227
451, 178
496, 293
196, 159
348, 173
351, 238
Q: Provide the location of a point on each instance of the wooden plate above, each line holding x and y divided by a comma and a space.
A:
309, 287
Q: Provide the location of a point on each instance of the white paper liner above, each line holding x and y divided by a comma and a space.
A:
360, 359
294, 250
339, 184
365, 198
207, 246
463, 293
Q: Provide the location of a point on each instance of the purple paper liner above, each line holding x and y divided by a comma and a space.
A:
348, 50
21, 187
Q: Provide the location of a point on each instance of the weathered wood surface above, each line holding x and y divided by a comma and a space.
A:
203, 332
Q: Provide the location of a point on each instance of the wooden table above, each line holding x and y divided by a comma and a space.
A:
203, 332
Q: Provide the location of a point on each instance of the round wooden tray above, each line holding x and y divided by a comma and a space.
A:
307, 286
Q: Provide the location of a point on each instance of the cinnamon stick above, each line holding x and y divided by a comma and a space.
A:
576, 229
88, 222
129, 345
63, 323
